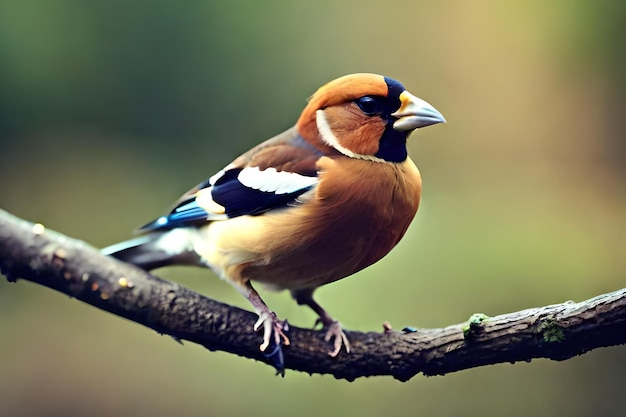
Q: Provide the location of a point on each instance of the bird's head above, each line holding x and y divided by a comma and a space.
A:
365, 116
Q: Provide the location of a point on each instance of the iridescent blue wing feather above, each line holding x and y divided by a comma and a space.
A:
270, 176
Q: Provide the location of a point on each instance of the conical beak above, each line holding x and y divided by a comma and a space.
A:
415, 113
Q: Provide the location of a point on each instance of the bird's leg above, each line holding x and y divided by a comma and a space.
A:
334, 330
272, 327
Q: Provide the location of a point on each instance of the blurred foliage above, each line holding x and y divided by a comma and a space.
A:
110, 110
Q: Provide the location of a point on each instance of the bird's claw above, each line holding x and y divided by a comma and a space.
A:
274, 337
272, 327
335, 331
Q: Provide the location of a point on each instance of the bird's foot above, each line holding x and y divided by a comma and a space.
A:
274, 330
274, 336
334, 331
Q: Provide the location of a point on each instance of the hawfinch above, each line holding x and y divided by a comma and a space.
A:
312, 205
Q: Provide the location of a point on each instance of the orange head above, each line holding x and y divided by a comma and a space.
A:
365, 116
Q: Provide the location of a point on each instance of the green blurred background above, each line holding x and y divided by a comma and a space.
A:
110, 110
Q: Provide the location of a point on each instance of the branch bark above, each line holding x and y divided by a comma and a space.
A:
31, 252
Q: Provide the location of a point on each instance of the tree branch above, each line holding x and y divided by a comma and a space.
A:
561, 331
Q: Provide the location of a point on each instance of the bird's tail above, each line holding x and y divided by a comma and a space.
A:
152, 250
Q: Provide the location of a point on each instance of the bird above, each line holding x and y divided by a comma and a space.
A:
314, 204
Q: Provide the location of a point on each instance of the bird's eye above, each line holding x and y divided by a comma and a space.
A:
368, 105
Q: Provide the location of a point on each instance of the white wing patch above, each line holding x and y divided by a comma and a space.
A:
204, 199
272, 181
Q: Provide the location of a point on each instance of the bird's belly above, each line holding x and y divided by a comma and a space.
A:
301, 259
325, 256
